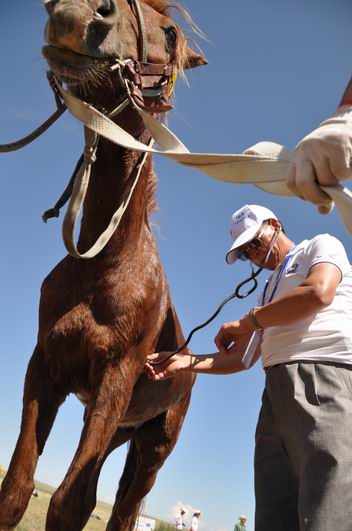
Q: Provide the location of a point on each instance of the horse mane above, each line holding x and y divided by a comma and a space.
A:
152, 185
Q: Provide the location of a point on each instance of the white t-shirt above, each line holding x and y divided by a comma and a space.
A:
195, 524
325, 336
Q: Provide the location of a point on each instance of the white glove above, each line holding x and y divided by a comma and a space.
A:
323, 157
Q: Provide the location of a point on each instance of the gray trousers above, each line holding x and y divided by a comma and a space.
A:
303, 455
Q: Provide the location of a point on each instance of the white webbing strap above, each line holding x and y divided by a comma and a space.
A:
264, 165
78, 195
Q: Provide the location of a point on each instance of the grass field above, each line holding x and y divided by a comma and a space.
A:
34, 518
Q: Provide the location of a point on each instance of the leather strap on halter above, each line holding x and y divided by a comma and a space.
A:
150, 83
143, 41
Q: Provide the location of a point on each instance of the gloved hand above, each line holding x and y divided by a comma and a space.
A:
323, 157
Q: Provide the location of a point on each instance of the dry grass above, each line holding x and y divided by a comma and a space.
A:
34, 518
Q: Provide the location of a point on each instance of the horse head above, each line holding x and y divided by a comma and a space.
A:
86, 37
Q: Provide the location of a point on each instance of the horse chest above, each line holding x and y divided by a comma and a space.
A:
104, 318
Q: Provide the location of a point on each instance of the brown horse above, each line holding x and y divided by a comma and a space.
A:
99, 318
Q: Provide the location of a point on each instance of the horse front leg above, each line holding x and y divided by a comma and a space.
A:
74, 500
150, 446
41, 401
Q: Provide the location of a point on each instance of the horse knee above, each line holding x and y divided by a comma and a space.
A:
68, 511
10, 515
55, 518
13, 502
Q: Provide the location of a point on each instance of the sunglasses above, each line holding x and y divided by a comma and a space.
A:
255, 243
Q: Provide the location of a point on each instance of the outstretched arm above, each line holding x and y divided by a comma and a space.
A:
324, 156
218, 363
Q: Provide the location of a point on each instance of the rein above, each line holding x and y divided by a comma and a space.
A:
61, 108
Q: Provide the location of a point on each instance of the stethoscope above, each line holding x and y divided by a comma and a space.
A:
237, 294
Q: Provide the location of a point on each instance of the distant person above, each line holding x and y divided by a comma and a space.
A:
303, 324
241, 526
179, 523
195, 521
324, 156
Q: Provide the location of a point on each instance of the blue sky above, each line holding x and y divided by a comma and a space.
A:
276, 69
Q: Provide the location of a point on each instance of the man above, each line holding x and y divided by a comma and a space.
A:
303, 458
324, 157
241, 526
179, 524
195, 521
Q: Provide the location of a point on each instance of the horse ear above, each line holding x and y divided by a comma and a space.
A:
193, 59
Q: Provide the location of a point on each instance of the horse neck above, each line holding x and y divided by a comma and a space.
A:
109, 175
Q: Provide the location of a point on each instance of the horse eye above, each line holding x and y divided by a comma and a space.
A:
171, 36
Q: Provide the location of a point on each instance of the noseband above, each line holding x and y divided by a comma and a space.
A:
148, 84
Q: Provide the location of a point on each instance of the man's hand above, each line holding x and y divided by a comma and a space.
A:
167, 369
324, 157
233, 334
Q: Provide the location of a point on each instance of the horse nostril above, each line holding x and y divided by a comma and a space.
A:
49, 5
106, 8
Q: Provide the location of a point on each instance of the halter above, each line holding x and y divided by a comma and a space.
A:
149, 85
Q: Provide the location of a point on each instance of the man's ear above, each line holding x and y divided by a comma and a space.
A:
274, 223
193, 59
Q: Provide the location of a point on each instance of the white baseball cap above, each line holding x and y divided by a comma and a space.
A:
245, 223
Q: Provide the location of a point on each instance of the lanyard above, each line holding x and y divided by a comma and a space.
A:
278, 278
